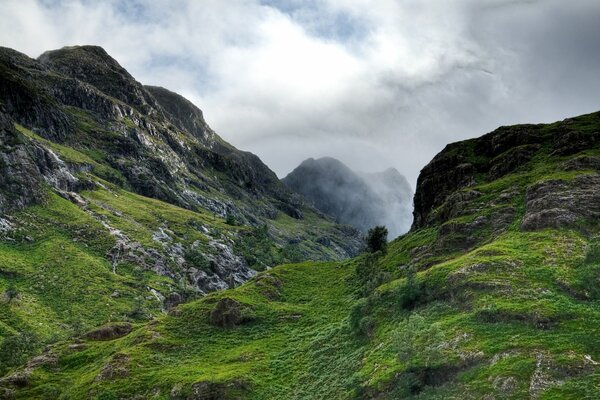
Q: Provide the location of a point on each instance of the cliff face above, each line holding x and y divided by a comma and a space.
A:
360, 200
444, 188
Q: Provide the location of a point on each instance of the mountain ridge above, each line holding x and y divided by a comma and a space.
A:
99, 177
362, 200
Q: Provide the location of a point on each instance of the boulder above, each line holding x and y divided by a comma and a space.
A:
110, 331
229, 313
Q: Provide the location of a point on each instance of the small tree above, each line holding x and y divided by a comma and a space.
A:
230, 219
377, 239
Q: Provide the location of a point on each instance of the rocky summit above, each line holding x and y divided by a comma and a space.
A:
363, 200
139, 259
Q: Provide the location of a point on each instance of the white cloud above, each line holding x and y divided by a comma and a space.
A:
377, 84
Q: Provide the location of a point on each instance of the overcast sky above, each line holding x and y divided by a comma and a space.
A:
377, 84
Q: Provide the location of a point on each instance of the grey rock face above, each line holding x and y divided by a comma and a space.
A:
20, 178
582, 163
443, 185
91, 64
559, 203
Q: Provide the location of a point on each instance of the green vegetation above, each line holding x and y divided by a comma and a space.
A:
377, 239
494, 294
512, 314
484, 317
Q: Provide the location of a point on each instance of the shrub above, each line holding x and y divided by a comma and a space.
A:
411, 291
196, 259
230, 219
370, 274
377, 239
592, 255
11, 293
417, 342
229, 313
15, 349
359, 319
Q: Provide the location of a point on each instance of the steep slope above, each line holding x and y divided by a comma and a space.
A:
117, 201
493, 294
360, 200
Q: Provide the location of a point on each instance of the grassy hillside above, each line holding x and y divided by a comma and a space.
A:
79, 260
496, 298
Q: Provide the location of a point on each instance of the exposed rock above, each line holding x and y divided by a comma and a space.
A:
533, 318
229, 313
184, 114
116, 368
110, 331
173, 300
91, 64
457, 204
28, 103
270, 286
48, 359
157, 140
456, 168
570, 141
440, 178
460, 235
582, 163
541, 379
208, 390
227, 269
510, 160
20, 178
19, 379
505, 385
562, 204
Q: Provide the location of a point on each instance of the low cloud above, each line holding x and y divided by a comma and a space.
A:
375, 84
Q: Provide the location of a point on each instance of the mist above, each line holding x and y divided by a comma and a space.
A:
363, 200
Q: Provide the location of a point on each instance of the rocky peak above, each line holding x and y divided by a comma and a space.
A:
93, 65
183, 113
359, 199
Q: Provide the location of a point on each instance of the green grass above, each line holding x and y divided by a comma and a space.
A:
421, 321
491, 321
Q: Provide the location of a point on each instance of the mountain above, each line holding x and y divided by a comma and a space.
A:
360, 200
118, 201
493, 294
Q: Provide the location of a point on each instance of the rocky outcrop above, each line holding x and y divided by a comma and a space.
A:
91, 64
27, 167
185, 115
110, 331
464, 164
229, 313
443, 187
20, 178
563, 204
